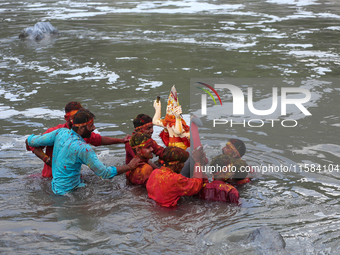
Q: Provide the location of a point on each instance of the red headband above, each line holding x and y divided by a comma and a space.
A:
83, 124
143, 126
146, 143
71, 113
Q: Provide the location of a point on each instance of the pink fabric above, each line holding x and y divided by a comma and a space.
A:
219, 191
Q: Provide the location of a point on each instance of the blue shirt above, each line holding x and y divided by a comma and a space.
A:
69, 153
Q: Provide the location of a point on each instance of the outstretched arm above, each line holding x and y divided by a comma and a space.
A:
110, 140
42, 140
89, 157
134, 163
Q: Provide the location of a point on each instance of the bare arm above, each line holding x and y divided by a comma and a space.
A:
40, 154
134, 163
154, 166
110, 140
156, 120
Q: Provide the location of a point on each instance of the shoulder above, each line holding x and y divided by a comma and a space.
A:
56, 127
95, 136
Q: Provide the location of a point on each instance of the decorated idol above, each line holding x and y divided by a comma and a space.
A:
176, 132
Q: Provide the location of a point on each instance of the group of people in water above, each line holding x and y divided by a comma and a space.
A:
68, 147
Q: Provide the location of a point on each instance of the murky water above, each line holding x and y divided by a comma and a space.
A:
115, 58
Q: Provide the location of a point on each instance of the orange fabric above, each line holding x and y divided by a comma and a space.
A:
83, 124
171, 121
166, 187
71, 113
143, 127
219, 191
181, 142
184, 142
140, 175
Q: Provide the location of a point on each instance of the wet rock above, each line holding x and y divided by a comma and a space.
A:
267, 241
40, 31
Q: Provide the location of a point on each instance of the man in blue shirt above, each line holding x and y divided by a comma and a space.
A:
71, 151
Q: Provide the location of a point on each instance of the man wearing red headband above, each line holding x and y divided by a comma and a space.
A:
96, 140
71, 151
143, 124
142, 146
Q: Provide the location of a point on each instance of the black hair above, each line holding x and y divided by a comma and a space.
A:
71, 106
82, 116
141, 119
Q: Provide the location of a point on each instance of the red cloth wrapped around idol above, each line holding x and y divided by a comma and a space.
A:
219, 191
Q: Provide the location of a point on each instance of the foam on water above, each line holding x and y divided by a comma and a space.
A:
115, 57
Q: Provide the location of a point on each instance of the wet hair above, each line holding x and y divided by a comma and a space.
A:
71, 106
82, 116
239, 145
221, 161
240, 174
171, 154
137, 139
141, 119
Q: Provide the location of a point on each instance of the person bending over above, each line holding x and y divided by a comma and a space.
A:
71, 151
166, 185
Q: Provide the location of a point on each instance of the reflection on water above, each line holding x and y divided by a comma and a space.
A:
115, 58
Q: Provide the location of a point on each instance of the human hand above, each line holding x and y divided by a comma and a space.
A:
134, 163
198, 155
126, 139
27, 146
157, 105
47, 160
177, 111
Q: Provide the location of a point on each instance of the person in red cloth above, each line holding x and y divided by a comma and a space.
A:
166, 185
235, 149
142, 146
96, 140
218, 189
143, 124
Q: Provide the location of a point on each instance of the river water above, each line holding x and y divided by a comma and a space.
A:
115, 57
